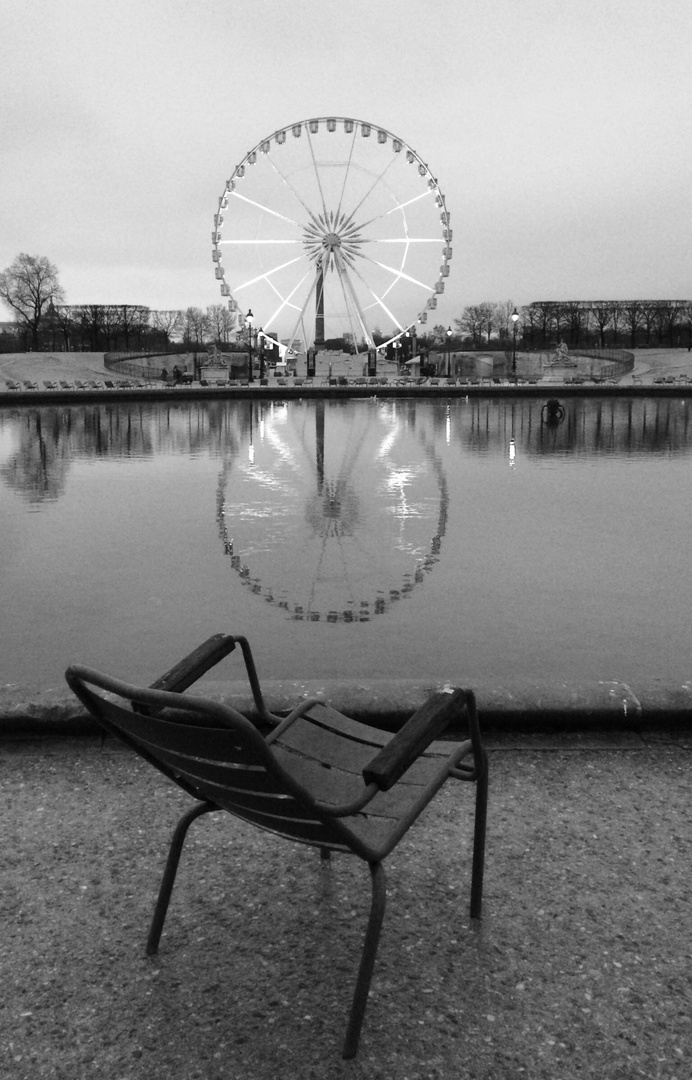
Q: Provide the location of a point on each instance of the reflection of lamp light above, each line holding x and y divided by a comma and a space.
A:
515, 319
512, 453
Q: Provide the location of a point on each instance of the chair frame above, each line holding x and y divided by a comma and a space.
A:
412, 765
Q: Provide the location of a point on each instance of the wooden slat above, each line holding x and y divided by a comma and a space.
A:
307, 832
325, 746
351, 756
335, 786
329, 718
193, 666
394, 759
241, 775
344, 725
270, 804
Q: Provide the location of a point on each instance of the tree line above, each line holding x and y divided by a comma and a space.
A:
30, 288
586, 323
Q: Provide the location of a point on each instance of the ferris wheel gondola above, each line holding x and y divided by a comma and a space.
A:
333, 228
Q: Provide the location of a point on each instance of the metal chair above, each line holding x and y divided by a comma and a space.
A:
316, 776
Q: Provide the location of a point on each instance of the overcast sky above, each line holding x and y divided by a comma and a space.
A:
559, 133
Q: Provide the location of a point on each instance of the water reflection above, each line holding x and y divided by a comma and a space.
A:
339, 513
182, 519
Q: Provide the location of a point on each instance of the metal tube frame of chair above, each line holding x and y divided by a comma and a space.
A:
316, 776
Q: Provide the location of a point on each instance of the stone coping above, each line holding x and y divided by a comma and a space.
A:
529, 706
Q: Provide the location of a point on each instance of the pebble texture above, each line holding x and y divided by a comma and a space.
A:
581, 966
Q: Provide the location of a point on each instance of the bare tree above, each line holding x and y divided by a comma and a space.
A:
28, 287
503, 320
603, 316
632, 318
471, 323
168, 323
195, 326
65, 317
220, 322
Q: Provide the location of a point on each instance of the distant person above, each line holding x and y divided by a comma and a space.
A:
164, 375
177, 374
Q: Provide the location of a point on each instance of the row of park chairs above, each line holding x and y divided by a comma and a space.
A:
74, 384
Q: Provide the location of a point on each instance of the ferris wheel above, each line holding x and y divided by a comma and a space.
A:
332, 228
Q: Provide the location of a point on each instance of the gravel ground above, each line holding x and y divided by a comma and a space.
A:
580, 968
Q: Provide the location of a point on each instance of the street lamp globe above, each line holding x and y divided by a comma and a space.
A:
515, 320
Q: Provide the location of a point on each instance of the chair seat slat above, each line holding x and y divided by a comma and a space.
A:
330, 748
329, 718
303, 831
335, 786
241, 775
345, 726
220, 744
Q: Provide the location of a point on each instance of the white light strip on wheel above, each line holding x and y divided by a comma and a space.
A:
399, 206
401, 274
317, 173
399, 240
380, 301
259, 242
267, 209
286, 301
342, 271
265, 277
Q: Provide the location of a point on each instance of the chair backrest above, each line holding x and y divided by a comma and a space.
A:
211, 751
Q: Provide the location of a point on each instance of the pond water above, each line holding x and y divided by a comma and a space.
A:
442, 539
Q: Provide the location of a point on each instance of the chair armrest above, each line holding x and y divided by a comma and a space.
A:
193, 666
415, 736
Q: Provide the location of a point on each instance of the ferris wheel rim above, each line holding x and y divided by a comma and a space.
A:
321, 221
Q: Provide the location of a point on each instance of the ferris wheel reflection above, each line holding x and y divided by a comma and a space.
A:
338, 513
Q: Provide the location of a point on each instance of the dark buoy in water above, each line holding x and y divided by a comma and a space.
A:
552, 412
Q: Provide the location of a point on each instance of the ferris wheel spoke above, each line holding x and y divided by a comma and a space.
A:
317, 177
299, 320
348, 288
399, 207
378, 180
400, 274
399, 240
290, 186
264, 208
346, 172
379, 301
286, 300
267, 274
254, 243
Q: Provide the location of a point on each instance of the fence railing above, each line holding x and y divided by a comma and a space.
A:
140, 365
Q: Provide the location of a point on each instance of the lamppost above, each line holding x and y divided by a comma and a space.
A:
515, 320
449, 351
260, 346
248, 319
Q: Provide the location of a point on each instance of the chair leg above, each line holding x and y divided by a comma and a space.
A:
367, 961
478, 864
170, 871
